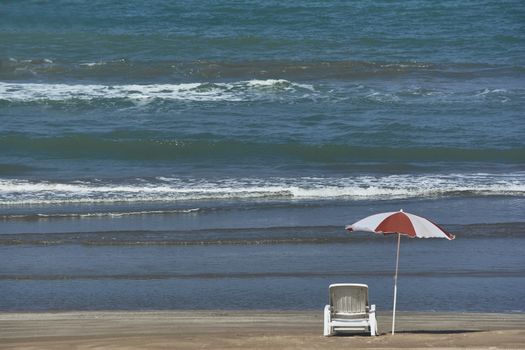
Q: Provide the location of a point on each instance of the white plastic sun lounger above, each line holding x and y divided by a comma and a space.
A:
349, 310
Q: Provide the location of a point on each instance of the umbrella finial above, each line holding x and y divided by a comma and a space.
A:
401, 210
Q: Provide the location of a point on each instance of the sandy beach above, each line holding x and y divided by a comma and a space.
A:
250, 330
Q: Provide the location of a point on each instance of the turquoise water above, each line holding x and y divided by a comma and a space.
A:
254, 129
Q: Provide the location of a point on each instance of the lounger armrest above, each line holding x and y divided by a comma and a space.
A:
327, 320
372, 319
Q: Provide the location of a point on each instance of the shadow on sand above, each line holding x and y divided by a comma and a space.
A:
441, 331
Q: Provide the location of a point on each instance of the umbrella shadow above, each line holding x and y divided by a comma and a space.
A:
441, 331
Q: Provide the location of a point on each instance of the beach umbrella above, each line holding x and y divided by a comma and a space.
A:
399, 223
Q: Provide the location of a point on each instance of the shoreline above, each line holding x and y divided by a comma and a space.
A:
251, 329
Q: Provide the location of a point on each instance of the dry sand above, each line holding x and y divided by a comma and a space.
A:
250, 330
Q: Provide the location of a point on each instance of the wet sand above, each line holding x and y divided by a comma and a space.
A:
251, 330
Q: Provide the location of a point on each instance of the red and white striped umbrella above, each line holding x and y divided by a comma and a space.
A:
400, 223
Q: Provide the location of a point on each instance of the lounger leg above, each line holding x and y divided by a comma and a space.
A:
373, 321
327, 327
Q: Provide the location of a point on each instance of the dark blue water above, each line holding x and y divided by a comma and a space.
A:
208, 155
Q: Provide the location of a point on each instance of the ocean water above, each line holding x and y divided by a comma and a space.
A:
207, 155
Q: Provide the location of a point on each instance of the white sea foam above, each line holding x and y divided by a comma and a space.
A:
111, 214
164, 189
248, 90
234, 91
91, 64
490, 91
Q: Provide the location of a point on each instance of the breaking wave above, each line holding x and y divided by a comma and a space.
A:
250, 90
164, 189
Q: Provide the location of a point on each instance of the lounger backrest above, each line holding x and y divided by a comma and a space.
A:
349, 299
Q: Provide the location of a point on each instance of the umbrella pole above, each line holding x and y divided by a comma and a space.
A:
395, 284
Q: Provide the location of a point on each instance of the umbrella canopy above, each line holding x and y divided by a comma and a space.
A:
399, 223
